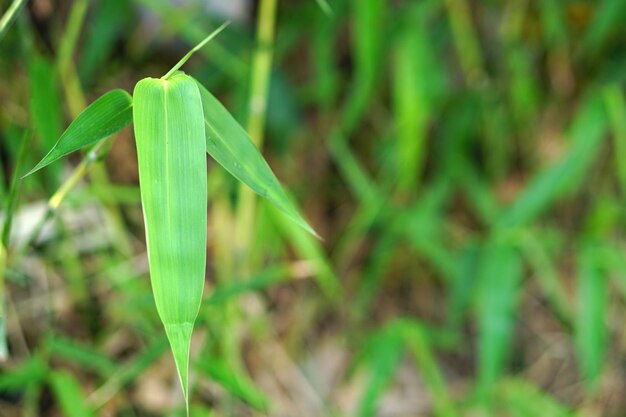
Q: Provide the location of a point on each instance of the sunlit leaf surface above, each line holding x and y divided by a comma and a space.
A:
169, 131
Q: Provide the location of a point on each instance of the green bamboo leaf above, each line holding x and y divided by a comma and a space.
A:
108, 114
229, 144
169, 132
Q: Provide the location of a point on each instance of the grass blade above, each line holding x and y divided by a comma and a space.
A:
169, 131
229, 144
419, 345
323, 4
562, 178
108, 114
383, 355
9, 16
591, 334
606, 21
418, 81
4, 350
193, 50
523, 399
500, 276
237, 384
9, 210
31, 371
108, 22
45, 112
69, 394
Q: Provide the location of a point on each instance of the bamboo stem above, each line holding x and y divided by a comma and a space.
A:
259, 91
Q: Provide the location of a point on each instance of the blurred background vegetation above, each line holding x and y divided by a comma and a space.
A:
464, 160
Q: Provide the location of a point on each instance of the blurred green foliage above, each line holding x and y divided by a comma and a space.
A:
465, 162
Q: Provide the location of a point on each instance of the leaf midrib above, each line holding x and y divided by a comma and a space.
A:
167, 162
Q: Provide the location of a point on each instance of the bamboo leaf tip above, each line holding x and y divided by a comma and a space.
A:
179, 336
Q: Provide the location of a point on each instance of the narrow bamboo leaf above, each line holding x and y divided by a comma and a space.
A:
500, 275
229, 144
108, 114
169, 132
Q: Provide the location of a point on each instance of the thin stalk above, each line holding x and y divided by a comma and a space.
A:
9, 209
57, 198
177, 21
259, 91
4, 351
65, 64
10, 16
77, 103
194, 50
232, 261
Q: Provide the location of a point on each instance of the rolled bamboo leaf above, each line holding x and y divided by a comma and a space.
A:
169, 132
108, 114
229, 144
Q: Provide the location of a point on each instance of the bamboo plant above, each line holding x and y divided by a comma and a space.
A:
176, 121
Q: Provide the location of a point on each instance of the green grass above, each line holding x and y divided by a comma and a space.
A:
462, 161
